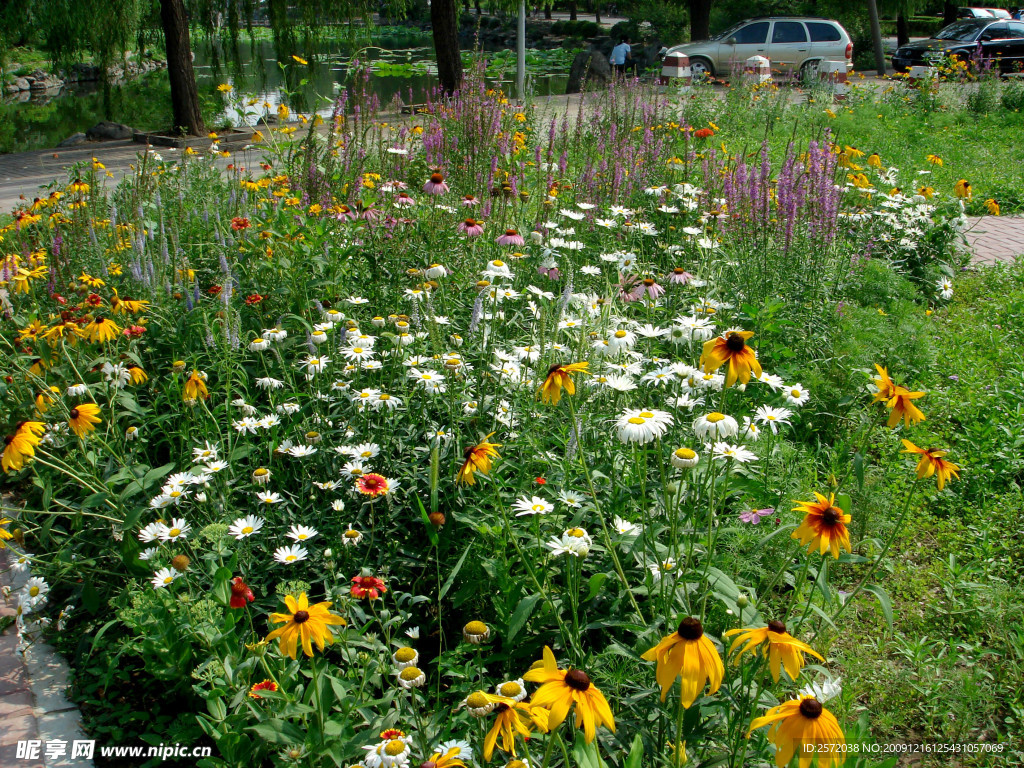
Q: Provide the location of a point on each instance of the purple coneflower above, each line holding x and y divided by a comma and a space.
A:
511, 237
404, 199
469, 201
651, 286
679, 275
472, 228
435, 185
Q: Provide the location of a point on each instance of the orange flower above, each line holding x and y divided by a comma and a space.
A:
932, 463
560, 376
478, 459
824, 525
731, 347
903, 408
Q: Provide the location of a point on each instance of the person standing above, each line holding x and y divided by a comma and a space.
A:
621, 54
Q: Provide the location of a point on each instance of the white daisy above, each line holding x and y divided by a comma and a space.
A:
244, 527
532, 506
290, 555
301, 533
164, 577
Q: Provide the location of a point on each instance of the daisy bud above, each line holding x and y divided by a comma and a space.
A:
411, 677
405, 657
178, 366
328, 553
131, 433
261, 476
378, 321
536, 237
742, 601
201, 496
477, 704
476, 632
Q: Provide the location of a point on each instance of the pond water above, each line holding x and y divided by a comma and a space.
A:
37, 121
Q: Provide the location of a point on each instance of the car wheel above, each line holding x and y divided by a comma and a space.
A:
809, 71
701, 69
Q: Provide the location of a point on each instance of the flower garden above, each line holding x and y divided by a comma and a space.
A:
482, 437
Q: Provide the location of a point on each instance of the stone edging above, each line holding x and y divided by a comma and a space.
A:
33, 681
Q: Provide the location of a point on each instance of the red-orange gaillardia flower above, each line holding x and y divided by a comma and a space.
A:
368, 587
240, 593
373, 485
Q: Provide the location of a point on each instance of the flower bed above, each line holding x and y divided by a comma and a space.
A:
463, 441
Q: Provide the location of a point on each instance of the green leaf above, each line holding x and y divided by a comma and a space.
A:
455, 571
521, 615
431, 530
636, 753
844, 502
858, 469
217, 709
279, 732
586, 755
91, 598
594, 585
883, 600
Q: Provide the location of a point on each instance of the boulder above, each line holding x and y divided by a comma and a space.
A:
23, 83
589, 66
73, 140
109, 131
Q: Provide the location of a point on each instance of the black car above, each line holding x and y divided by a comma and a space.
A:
999, 41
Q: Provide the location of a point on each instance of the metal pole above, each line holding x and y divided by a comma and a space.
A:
521, 52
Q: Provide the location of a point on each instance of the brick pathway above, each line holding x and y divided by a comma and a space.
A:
995, 239
33, 705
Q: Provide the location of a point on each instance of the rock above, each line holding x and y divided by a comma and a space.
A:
73, 139
23, 83
109, 131
589, 66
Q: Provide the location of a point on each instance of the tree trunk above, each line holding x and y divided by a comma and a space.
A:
184, 94
876, 37
572, 10
948, 12
547, 12
597, 12
700, 20
902, 29
444, 19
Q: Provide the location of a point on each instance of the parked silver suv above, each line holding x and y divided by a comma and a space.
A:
791, 43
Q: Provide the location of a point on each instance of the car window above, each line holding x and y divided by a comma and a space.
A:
823, 33
1016, 29
996, 32
964, 31
789, 32
752, 34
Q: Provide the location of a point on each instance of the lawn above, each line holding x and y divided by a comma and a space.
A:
485, 439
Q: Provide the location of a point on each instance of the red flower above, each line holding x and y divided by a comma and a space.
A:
368, 587
214, 290
539, 480
266, 685
239, 223
372, 484
253, 299
704, 133
240, 593
93, 300
133, 332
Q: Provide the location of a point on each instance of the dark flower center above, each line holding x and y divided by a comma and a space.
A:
691, 628
577, 679
777, 627
74, 414
648, 281
735, 342
811, 709
501, 707
554, 368
239, 587
437, 178
511, 232
300, 617
831, 516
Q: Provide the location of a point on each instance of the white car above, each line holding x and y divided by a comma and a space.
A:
793, 43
